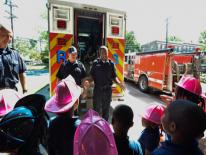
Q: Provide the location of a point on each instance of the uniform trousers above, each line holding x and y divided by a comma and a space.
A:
102, 101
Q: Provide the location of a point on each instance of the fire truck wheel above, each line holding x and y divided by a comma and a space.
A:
143, 84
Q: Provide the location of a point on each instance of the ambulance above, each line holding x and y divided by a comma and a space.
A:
86, 27
160, 69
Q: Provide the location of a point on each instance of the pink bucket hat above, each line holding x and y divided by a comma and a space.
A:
154, 113
67, 92
94, 136
8, 98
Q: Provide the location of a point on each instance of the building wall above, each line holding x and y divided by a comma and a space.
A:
178, 47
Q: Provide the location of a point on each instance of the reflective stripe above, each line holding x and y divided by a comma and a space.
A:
54, 47
118, 52
156, 80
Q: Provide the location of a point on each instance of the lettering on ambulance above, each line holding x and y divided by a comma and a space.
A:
61, 55
116, 58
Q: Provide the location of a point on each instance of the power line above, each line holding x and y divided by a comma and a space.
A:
11, 15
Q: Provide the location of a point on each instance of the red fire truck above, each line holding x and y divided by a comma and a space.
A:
158, 69
87, 27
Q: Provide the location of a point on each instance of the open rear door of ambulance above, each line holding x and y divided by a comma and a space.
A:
60, 37
115, 40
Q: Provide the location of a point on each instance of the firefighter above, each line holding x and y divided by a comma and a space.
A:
103, 73
12, 67
72, 67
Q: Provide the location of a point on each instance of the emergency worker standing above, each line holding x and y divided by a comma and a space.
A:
12, 67
103, 74
72, 67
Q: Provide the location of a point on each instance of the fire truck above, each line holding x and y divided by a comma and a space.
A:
159, 69
86, 27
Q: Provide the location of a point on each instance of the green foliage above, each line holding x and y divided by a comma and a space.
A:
23, 46
33, 43
34, 55
203, 77
202, 40
43, 36
174, 39
131, 43
27, 48
44, 57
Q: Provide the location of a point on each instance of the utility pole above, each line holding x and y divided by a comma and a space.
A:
167, 24
11, 16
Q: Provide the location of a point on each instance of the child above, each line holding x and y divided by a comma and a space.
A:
8, 98
63, 126
122, 120
94, 136
150, 136
185, 122
188, 88
22, 130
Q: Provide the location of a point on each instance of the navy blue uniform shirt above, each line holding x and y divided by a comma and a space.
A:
169, 148
76, 70
11, 65
103, 73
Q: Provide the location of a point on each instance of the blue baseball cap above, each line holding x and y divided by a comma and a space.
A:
72, 49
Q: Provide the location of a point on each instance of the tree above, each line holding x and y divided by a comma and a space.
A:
202, 40
25, 46
131, 43
43, 36
174, 39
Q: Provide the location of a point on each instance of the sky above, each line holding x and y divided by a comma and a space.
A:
147, 18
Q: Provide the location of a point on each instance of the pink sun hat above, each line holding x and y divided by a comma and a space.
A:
154, 113
8, 98
67, 92
94, 136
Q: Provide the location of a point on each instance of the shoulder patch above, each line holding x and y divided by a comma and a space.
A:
96, 60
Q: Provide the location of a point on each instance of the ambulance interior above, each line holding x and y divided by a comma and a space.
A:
88, 36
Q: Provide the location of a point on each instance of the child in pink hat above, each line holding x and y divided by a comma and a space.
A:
63, 126
8, 98
188, 88
150, 136
94, 136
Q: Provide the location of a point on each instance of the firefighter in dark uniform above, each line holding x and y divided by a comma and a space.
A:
72, 67
12, 67
103, 73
